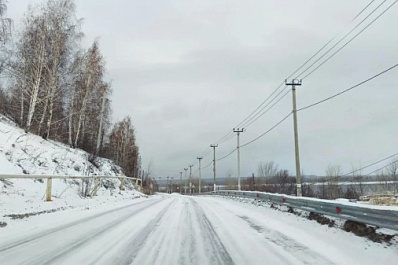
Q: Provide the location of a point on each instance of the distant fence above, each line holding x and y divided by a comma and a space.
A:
51, 177
367, 214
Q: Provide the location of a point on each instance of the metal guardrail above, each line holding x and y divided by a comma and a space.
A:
376, 216
51, 177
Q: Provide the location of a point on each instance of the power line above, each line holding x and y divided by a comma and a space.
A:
341, 39
348, 89
230, 153
224, 137
252, 115
362, 168
362, 10
255, 115
348, 42
230, 135
372, 164
382, 167
262, 103
260, 108
253, 112
203, 154
254, 118
211, 162
227, 139
273, 127
284, 95
327, 43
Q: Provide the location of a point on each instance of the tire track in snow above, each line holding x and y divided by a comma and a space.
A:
245, 246
49, 253
168, 241
139, 240
183, 236
63, 227
96, 234
300, 251
219, 254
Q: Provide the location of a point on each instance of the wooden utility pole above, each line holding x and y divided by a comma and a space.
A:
181, 182
190, 179
214, 164
295, 83
185, 185
200, 174
238, 131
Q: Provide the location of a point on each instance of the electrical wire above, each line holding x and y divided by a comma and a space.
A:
207, 165
362, 10
256, 112
348, 42
382, 167
284, 95
341, 39
255, 115
273, 127
348, 89
227, 139
227, 155
362, 168
262, 103
327, 43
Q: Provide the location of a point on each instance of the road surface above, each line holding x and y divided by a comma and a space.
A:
179, 229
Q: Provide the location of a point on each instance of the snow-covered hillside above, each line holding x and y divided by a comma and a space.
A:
25, 153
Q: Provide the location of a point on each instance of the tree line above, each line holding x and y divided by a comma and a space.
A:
334, 184
55, 88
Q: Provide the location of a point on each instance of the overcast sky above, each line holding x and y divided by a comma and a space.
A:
189, 71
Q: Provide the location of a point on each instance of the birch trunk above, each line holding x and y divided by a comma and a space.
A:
71, 110
99, 136
83, 109
53, 90
22, 104
37, 77
43, 116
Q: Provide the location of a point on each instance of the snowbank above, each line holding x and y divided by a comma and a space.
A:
25, 153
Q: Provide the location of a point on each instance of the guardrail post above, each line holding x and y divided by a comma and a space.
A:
48, 191
122, 184
96, 183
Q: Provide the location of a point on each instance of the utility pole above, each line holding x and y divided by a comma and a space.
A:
214, 164
180, 182
254, 187
167, 185
185, 185
171, 184
238, 131
200, 158
190, 179
294, 83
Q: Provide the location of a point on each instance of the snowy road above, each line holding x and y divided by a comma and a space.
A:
190, 230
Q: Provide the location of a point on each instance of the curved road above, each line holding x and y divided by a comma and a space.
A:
192, 230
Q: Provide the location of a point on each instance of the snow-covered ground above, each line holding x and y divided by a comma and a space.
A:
176, 229
27, 153
22, 153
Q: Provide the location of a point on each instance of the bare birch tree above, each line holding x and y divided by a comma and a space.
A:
333, 173
64, 31
90, 77
32, 51
5, 23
